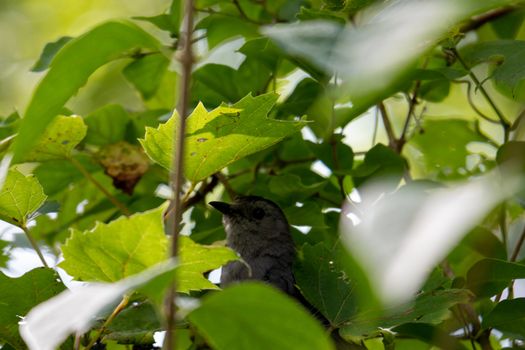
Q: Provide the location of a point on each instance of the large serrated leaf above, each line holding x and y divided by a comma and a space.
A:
217, 138
110, 252
19, 295
268, 320
58, 140
77, 60
19, 197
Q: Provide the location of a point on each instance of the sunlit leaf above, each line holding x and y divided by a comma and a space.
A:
19, 197
77, 60
110, 252
197, 259
217, 138
19, 295
268, 319
58, 139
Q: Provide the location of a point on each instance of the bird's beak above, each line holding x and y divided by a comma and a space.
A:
224, 208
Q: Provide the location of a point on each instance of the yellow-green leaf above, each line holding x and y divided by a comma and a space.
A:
110, 252
19, 197
58, 140
217, 138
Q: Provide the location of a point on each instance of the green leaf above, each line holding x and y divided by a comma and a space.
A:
443, 146
19, 295
19, 197
197, 259
110, 252
429, 307
135, 325
49, 52
58, 140
146, 73
106, 125
217, 138
220, 27
268, 319
77, 60
508, 26
508, 317
380, 162
214, 84
53, 174
291, 186
506, 57
430, 334
325, 285
488, 277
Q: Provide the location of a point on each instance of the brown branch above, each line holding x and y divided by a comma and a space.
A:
392, 141
101, 188
479, 85
224, 181
201, 193
477, 21
176, 173
518, 246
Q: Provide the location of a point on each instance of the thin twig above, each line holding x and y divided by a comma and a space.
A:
98, 185
34, 245
224, 181
472, 104
518, 246
479, 85
176, 173
123, 303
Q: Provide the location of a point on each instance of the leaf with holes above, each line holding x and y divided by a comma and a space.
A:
19, 197
58, 140
217, 138
110, 252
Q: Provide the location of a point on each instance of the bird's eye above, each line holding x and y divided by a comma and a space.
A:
258, 213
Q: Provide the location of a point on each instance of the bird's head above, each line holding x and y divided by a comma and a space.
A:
252, 214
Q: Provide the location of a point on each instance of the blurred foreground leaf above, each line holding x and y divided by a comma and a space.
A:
48, 324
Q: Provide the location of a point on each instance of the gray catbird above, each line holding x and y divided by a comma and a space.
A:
258, 231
